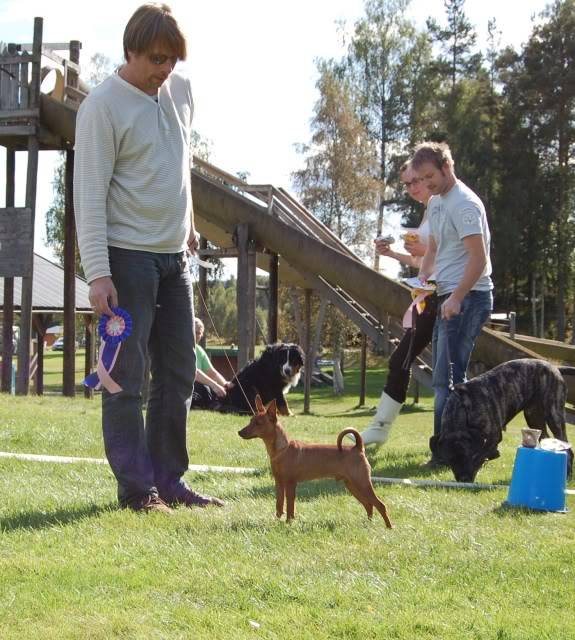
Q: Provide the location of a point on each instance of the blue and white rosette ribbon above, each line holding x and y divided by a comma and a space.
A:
113, 330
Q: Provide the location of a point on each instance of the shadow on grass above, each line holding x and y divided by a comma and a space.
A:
364, 411
505, 510
306, 491
43, 520
404, 465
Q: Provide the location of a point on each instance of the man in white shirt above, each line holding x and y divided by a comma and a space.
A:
132, 198
458, 252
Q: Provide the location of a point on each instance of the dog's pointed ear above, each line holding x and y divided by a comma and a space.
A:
272, 410
259, 404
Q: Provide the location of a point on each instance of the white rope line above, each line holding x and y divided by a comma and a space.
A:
203, 468
438, 483
200, 468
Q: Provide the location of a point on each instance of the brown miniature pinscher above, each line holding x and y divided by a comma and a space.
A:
294, 461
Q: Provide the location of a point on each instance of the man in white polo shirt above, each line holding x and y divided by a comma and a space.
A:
132, 198
458, 252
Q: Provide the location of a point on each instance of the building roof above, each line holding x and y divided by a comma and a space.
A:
48, 288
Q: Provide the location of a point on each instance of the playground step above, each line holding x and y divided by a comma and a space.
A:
368, 323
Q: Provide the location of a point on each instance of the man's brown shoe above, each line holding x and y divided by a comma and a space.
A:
190, 498
151, 503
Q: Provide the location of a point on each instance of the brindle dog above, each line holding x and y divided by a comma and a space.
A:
477, 412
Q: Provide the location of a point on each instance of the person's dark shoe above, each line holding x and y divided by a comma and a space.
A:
189, 498
150, 503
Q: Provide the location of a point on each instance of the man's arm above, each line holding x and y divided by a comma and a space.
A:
217, 376
94, 161
476, 261
204, 378
194, 237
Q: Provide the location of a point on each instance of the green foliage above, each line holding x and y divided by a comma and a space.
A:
55, 214
337, 182
457, 40
509, 118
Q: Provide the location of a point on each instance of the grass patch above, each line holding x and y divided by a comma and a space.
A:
457, 565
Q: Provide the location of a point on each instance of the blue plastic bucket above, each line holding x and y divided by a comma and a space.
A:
539, 480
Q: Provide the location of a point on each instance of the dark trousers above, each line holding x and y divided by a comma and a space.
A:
412, 343
453, 340
204, 397
151, 458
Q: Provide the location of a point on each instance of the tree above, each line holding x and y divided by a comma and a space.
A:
55, 215
457, 41
545, 78
374, 64
337, 181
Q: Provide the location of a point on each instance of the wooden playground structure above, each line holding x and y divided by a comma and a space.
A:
260, 225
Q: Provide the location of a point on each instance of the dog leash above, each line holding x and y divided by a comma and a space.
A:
450, 384
235, 376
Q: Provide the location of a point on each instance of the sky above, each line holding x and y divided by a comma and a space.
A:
252, 66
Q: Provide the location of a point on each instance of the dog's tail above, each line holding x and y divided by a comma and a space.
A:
567, 371
355, 433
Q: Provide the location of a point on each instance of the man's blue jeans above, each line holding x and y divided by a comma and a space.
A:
461, 331
156, 290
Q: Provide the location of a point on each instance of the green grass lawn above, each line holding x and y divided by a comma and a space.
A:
53, 371
457, 565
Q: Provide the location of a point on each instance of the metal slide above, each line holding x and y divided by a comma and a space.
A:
310, 255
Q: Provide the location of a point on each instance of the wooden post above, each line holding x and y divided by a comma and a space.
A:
273, 299
203, 289
296, 314
363, 370
246, 295
69, 360
74, 47
318, 326
40, 325
8, 305
308, 370
23, 377
416, 391
512, 324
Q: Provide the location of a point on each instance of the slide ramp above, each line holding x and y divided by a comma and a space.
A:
311, 256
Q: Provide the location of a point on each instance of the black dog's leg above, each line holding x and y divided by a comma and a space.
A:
282, 405
556, 421
535, 417
555, 418
491, 444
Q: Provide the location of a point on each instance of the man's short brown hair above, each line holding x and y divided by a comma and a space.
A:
438, 153
153, 24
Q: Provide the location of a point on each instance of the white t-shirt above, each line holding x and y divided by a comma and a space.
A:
454, 216
423, 231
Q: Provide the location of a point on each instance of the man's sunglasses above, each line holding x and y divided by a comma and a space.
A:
160, 59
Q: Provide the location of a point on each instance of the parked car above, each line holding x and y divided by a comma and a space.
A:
59, 344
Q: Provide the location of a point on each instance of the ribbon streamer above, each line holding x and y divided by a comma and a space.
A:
113, 330
418, 296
